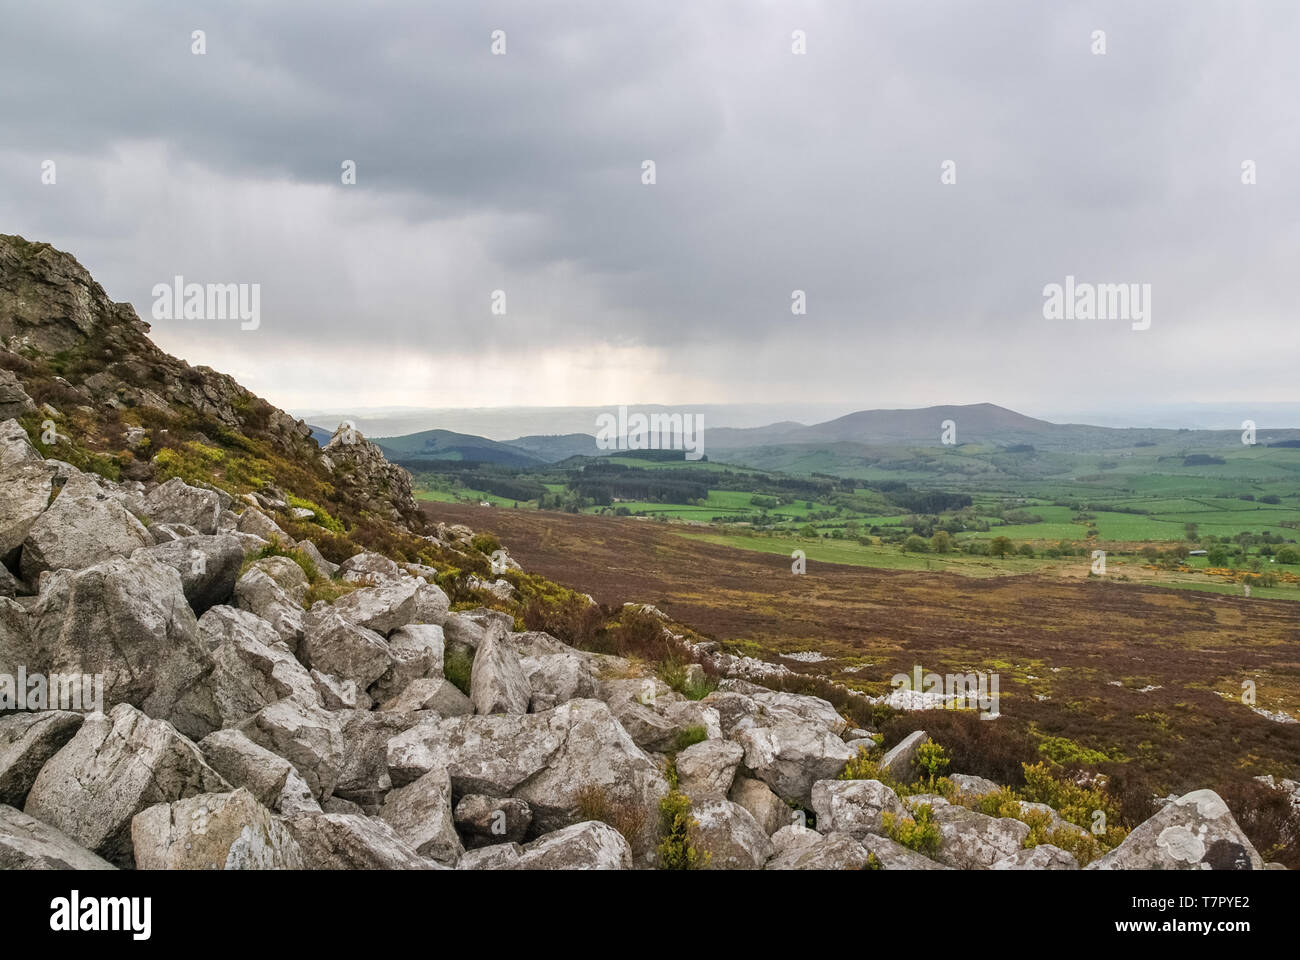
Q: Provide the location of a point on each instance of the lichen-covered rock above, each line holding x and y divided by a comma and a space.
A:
248, 674
730, 834
270, 778
213, 831
497, 682
258, 592
125, 619
115, 766
305, 734
798, 848
1195, 832
433, 695
76, 532
855, 807
899, 762
177, 502
590, 845
337, 646
705, 770
28, 486
393, 604
416, 653
364, 777
1042, 857
420, 813
368, 568
547, 759
771, 812
790, 755
888, 854
28, 844
208, 566
969, 840
340, 841
27, 741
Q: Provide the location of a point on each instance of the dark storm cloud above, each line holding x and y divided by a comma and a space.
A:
775, 172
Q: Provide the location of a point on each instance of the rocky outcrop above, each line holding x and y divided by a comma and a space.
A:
114, 767
221, 831
1194, 832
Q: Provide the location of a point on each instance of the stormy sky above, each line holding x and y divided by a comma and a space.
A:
775, 172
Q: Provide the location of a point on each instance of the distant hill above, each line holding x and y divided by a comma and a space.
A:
320, 434
436, 445
556, 447
981, 423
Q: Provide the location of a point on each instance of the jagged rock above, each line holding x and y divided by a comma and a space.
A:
706, 770
171, 532
364, 776
305, 734
771, 812
498, 856
254, 521
10, 586
436, 695
556, 678
368, 568
898, 763
340, 841
393, 604
28, 844
15, 446
1042, 857
337, 804
420, 813
656, 717
177, 502
115, 766
730, 834
798, 848
416, 653
248, 674
590, 845
27, 741
337, 694
17, 645
359, 468
973, 786
76, 532
208, 567
127, 619
854, 807
27, 487
969, 840
891, 855
463, 632
214, 831
547, 759
335, 645
258, 592
482, 820
497, 682
791, 754
270, 778
1195, 832
14, 401
323, 566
